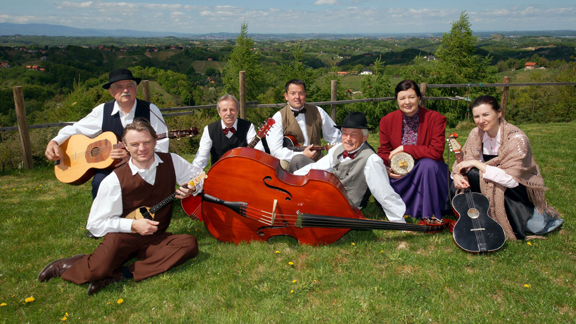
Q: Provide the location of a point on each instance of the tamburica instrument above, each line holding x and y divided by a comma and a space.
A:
402, 163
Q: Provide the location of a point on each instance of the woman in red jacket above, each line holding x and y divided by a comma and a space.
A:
421, 133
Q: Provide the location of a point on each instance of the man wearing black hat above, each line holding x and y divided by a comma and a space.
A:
112, 116
360, 169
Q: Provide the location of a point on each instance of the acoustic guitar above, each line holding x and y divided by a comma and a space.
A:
149, 212
475, 231
192, 205
84, 155
291, 143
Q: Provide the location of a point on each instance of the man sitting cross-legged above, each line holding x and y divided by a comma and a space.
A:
145, 180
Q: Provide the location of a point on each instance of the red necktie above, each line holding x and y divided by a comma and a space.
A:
229, 129
350, 155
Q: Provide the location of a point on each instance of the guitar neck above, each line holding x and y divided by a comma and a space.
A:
254, 141
302, 148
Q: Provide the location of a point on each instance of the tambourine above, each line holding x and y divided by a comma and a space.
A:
402, 163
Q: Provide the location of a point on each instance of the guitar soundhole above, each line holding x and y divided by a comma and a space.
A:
473, 213
95, 151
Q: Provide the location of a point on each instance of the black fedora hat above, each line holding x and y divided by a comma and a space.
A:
355, 119
119, 75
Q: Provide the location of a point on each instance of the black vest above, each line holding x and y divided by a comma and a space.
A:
112, 123
222, 144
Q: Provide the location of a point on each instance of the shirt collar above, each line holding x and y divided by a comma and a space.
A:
136, 169
224, 126
294, 109
117, 108
487, 137
356, 150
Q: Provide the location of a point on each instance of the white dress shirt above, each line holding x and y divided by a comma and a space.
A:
201, 158
376, 178
107, 207
495, 174
275, 137
91, 125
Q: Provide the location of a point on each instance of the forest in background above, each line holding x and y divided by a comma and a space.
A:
62, 76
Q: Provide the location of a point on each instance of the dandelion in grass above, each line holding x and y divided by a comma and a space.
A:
381, 251
294, 281
291, 291
64, 319
290, 263
108, 303
529, 243
353, 243
3, 304
277, 252
527, 285
29, 299
120, 301
40, 185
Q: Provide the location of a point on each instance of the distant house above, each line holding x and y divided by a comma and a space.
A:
209, 59
5, 65
343, 73
366, 72
530, 66
431, 57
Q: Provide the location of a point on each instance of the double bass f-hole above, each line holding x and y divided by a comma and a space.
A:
268, 178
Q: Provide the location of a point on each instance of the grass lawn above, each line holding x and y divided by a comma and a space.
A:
366, 276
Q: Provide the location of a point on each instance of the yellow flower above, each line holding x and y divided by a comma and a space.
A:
120, 301
277, 252
25, 188
406, 216
382, 251
13, 189
527, 285
291, 291
3, 304
529, 243
291, 263
353, 243
64, 318
40, 185
314, 280
29, 299
108, 303
66, 314
294, 281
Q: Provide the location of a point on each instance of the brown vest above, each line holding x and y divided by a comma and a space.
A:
137, 193
313, 124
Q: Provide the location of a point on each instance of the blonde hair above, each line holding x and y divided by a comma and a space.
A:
140, 124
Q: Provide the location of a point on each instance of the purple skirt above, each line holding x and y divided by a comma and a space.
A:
424, 189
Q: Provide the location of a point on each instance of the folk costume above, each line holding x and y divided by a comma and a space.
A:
307, 125
126, 189
424, 190
217, 139
109, 117
512, 181
361, 172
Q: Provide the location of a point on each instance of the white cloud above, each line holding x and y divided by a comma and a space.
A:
326, 2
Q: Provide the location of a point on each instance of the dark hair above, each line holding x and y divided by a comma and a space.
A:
486, 100
406, 85
140, 124
295, 81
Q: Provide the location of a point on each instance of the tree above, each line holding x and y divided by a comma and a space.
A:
244, 58
459, 63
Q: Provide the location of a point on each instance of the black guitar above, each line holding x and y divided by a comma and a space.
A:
475, 231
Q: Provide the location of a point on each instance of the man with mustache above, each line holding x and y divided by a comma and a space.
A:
360, 169
306, 122
223, 135
112, 116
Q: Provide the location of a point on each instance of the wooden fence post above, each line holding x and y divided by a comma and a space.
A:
423, 88
145, 90
504, 102
333, 97
242, 92
23, 127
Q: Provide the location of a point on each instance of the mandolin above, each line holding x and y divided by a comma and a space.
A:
84, 155
290, 143
475, 231
149, 212
249, 197
192, 205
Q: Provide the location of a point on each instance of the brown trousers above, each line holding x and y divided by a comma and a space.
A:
157, 253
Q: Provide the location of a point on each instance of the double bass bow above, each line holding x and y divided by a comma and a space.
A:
249, 197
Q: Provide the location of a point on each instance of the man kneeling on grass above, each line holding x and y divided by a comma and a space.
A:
145, 180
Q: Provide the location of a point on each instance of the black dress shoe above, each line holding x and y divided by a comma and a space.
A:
90, 235
95, 286
57, 268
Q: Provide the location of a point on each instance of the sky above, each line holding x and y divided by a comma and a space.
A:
298, 16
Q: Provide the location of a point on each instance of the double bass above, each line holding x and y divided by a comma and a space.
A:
249, 197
